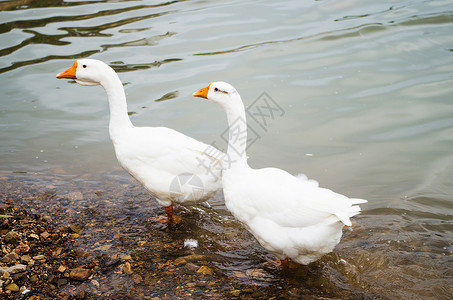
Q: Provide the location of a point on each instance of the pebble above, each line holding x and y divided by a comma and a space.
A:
205, 270
76, 228
61, 269
22, 249
25, 258
17, 269
127, 268
103, 248
34, 236
137, 278
12, 287
45, 235
39, 257
80, 274
13, 256
75, 196
10, 238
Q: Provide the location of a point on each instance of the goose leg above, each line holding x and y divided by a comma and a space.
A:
170, 218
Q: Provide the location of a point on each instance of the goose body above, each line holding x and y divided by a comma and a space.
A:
161, 159
290, 216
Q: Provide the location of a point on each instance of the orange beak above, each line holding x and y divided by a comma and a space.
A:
203, 93
69, 73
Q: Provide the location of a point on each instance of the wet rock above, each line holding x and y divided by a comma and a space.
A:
12, 287
137, 278
34, 236
80, 274
76, 228
74, 236
103, 248
61, 269
22, 249
25, 258
75, 196
39, 258
192, 267
45, 235
126, 257
127, 269
19, 268
205, 270
11, 238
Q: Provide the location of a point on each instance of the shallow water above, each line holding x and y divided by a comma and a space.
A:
364, 107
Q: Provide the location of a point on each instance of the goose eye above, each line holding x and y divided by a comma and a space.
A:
216, 89
84, 66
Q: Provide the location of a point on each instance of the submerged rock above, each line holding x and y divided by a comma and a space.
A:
80, 274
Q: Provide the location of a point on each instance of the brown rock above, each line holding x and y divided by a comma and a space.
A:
12, 287
39, 257
45, 235
76, 228
12, 256
61, 269
25, 258
127, 268
10, 238
22, 249
205, 270
80, 274
137, 278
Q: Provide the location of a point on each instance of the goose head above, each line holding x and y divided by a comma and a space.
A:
220, 92
87, 72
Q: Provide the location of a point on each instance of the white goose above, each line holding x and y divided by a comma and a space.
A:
292, 217
160, 158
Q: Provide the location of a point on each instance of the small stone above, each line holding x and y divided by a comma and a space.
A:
205, 270
127, 268
137, 278
12, 287
22, 249
76, 228
6, 274
34, 278
61, 269
39, 257
126, 257
34, 236
179, 261
141, 243
74, 236
192, 267
25, 258
34, 297
75, 196
235, 293
13, 256
95, 283
47, 218
10, 238
80, 274
17, 269
45, 235
103, 248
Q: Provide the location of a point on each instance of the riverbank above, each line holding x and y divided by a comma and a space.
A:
87, 237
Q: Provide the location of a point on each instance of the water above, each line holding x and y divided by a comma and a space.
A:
363, 87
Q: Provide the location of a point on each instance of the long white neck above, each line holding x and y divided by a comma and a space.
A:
237, 123
119, 119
